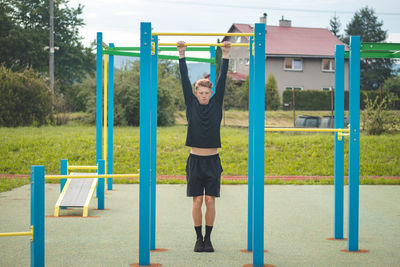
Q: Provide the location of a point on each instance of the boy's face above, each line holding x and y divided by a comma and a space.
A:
203, 94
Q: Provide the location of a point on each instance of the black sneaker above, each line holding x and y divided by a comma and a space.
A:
208, 247
199, 246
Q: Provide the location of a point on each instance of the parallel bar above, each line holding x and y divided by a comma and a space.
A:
376, 54
339, 144
121, 53
153, 146
380, 46
37, 216
204, 44
100, 187
144, 154
110, 144
92, 176
30, 233
354, 143
74, 167
200, 34
306, 130
259, 145
250, 181
99, 95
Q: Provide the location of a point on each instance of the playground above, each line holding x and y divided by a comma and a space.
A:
298, 219
258, 225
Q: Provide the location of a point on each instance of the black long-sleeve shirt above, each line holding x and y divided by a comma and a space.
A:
204, 121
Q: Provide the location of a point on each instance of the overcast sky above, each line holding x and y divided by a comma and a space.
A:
119, 20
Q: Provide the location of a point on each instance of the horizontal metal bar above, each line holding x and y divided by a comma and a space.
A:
91, 176
203, 44
375, 54
30, 233
200, 34
380, 46
121, 53
82, 167
306, 130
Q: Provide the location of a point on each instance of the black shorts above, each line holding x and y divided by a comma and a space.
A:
203, 173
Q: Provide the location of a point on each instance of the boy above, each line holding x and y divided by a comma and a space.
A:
203, 168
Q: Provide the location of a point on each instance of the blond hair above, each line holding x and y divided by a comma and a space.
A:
203, 83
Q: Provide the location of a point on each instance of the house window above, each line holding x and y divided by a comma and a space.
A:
295, 64
328, 65
296, 88
326, 88
247, 61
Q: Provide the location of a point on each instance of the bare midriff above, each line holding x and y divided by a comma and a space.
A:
203, 151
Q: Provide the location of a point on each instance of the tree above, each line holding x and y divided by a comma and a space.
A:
335, 25
25, 36
392, 87
272, 99
366, 25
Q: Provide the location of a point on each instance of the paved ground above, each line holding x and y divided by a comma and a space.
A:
298, 219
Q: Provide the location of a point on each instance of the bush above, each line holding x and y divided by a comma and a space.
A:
127, 95
376, 119
25, 99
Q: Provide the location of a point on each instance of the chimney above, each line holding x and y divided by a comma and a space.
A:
285, 23
263, 19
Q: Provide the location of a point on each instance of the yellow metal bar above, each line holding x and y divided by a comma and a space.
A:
60, 198
105, 134
326, 130
82, 167
30, 233
200, 34
91, 176
203, 44
89, 197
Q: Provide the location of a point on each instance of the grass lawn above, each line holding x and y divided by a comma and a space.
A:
287, 154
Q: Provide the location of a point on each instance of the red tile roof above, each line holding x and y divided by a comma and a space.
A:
295, 40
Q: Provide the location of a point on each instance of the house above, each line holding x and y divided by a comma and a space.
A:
299, 58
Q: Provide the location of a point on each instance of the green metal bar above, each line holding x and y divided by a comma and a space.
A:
380, 46
120, 53
376, 54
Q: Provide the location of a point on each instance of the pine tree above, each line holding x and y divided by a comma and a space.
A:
335, 25
366, 25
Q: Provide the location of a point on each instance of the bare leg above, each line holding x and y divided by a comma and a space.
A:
210, 212
196, 210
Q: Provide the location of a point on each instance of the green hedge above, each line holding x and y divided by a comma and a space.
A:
321, 100
25, 99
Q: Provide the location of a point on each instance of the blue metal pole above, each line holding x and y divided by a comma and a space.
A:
63, 171
354, 142
110, 119
37, 216
100, 188
153, 142
99, 96
212, 68
144, 155
250, 180
259, 111
339, 144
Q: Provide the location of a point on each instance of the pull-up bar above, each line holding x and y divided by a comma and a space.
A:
205, 44
200, 34
137, 48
